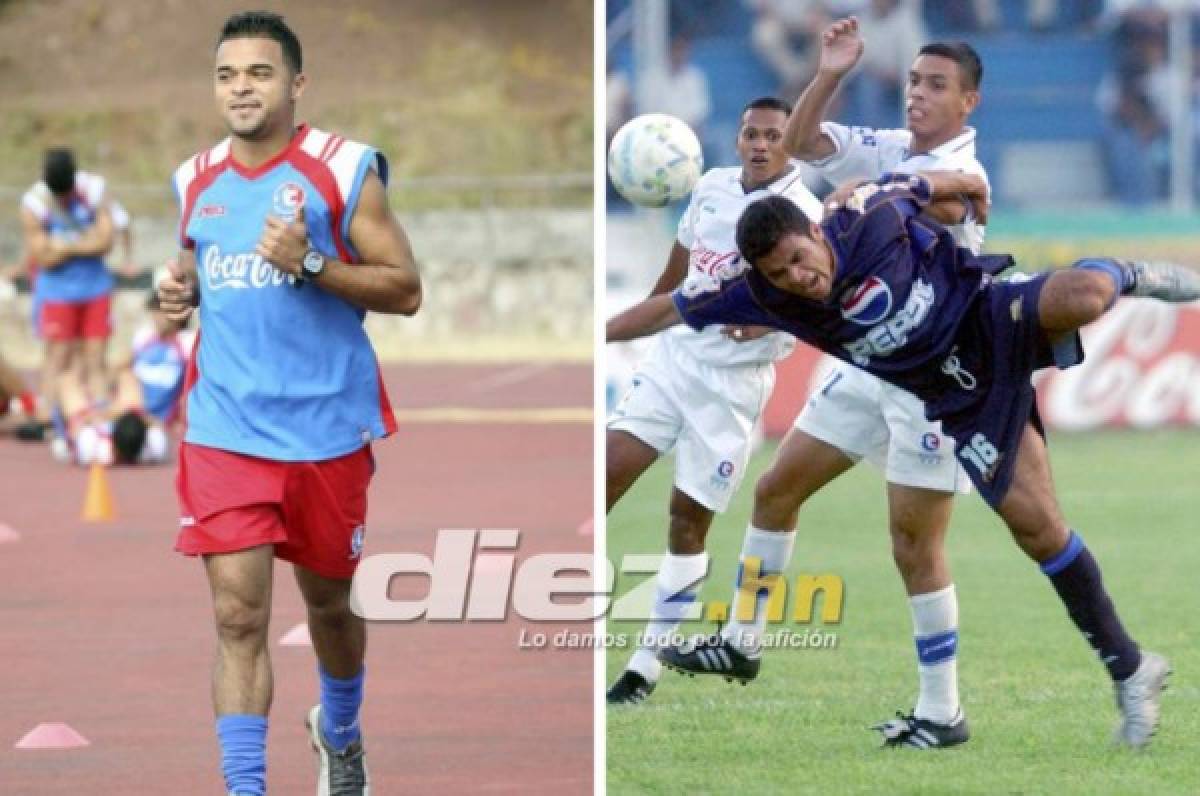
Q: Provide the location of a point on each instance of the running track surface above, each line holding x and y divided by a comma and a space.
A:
105, 628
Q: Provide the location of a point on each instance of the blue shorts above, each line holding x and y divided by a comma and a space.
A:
989, 396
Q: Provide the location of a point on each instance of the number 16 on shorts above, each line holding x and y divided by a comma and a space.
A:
980, 454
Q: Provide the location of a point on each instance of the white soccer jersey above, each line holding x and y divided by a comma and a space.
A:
41, 203
866, 153
708, 230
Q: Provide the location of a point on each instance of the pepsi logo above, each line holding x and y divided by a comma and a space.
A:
930, 441
867, 304
725, 469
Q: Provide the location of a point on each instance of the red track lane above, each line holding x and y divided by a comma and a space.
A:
107, 629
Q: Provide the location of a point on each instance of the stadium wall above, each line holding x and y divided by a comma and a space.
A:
500, 285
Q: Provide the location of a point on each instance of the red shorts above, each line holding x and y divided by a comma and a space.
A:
313, 512
76, 320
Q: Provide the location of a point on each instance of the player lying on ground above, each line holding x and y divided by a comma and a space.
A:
960, 340
131, 423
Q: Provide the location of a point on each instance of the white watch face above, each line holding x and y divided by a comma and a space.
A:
314, 262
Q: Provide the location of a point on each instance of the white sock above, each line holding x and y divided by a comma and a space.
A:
774, 550
935, 626
678, 577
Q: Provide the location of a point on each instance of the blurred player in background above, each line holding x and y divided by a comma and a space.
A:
68, 230
701, 393
964, 342
132, 423
14, 390
287, 241
855, 415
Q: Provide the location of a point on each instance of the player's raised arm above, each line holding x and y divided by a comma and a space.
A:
642, 320
841, 47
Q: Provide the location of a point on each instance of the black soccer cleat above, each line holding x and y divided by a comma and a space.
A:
630, 689
710, 655
916, 733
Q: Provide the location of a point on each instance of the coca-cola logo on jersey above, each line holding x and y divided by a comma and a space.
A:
241, 271
1142, 369
721, 265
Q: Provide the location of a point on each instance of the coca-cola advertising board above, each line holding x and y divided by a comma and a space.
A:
1141, 370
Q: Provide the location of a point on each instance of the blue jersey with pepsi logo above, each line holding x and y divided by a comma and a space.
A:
901, 288
281, 371
78, 279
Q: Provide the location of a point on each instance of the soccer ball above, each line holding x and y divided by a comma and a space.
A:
654, 159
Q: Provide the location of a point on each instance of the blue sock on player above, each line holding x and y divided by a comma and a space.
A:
340, 701
243, 740
1117, 270
1076, 577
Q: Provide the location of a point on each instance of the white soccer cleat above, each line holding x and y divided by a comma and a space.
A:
1138, 698
1164, 281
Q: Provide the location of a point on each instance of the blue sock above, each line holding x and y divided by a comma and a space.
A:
340, 701
1076, 577
1116, 270
243, 740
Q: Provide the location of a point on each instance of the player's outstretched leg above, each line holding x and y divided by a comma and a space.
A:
803, 465
680, 574
1030, 509
339, 639
242, 685
1074, 297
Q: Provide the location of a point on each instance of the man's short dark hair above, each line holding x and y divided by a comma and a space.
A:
970, 68
767, 104
265, 25
766, 222
58, 171
128, 437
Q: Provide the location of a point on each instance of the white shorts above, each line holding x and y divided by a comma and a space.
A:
867, 418
706, 413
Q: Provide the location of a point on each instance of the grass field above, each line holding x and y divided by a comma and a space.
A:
1040, 706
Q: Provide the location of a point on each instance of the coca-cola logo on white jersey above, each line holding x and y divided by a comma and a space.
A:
242, 271
1142, 369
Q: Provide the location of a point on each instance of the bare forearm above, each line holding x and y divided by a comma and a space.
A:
803, 137
955, 185
96, 242
956, 196
642, 320
378, 288
676, 270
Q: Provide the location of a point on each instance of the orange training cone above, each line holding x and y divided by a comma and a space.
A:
98, 502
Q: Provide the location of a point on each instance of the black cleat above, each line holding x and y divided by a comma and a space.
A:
922, 733
630, 689
710, 655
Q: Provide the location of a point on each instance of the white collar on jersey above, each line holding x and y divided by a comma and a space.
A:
788, 176
963, 143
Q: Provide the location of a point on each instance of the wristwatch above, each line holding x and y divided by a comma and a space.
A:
314, 264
